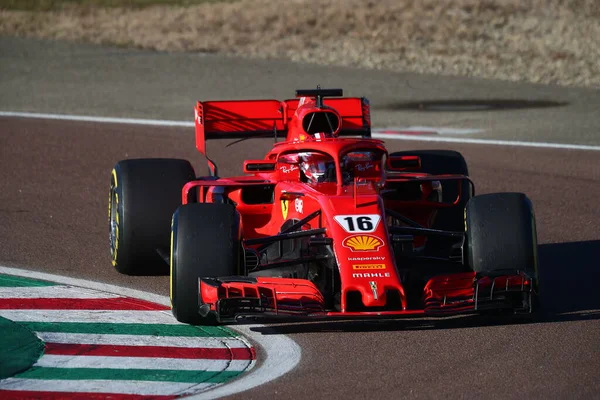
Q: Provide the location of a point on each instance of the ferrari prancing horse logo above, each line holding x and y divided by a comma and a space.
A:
284, 208
373, 285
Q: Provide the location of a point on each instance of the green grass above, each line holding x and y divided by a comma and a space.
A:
52, 5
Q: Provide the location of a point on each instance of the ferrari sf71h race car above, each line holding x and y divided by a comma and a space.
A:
324, 226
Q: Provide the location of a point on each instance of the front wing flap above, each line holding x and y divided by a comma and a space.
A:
471, 292
231, 298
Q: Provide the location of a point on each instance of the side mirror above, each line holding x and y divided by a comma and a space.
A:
402, 163
254, 166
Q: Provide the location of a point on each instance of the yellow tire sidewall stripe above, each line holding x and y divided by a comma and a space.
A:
117, 219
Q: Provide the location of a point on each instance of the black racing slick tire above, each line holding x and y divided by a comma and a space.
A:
205, 242
444, 162
437, 162
501, 234
143, 195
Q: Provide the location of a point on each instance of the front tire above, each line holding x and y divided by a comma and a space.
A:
501, 234
205, 242
501, 239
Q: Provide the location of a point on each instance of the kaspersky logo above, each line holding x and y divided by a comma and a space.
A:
362, 243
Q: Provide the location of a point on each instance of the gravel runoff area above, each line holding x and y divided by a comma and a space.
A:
543, 41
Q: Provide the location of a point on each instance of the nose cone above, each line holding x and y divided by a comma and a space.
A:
363, 253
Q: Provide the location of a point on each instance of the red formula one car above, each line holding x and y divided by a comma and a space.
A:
324, 225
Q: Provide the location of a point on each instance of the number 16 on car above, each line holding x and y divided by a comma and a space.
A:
358, 223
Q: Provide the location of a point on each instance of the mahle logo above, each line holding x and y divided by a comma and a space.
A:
371, 275
362, 243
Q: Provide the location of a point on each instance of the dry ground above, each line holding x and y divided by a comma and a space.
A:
546, 41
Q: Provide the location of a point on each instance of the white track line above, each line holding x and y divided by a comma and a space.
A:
282, 353
104, 120
389, 136
428, 129
493, 142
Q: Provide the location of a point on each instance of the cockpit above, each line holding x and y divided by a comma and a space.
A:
315, 167
362, 164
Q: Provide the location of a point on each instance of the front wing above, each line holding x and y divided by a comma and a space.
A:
233, 298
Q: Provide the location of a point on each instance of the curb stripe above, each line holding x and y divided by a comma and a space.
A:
141, 340
58, 361
129, 329
98, 316
149, 351
16, 281
65, 281
118, 303
153, 375
280, 354
31, 395
147, 388
53, 292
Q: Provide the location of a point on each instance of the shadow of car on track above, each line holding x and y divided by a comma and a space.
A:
569, 276
569, 273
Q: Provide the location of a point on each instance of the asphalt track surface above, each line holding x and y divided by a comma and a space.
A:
53, 195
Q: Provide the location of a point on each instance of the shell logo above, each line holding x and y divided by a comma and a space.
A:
362, 243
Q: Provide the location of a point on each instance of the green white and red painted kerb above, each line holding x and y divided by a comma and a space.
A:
101, 345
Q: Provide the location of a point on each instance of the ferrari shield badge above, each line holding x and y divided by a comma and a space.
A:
284, 208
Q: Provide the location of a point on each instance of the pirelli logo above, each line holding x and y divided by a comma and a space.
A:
368, 266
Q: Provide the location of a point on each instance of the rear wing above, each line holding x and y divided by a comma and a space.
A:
239, 119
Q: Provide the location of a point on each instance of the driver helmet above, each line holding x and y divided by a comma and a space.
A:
317, 167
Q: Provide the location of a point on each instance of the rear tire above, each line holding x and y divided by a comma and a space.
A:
144, 193
205, 243
443, 162
437, 162
501, 234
